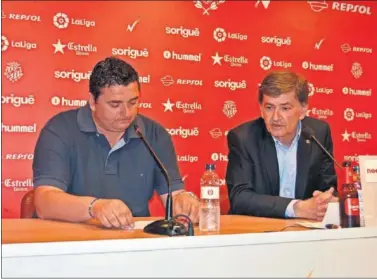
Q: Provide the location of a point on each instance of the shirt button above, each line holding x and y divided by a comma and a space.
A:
97, 135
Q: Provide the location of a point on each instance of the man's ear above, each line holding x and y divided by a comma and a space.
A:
261, 110
303, 111
92, 102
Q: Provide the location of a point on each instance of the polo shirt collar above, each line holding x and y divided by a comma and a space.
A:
85, 120
131, 133
86, 123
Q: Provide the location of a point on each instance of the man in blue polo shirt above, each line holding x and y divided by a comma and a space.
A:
90, 162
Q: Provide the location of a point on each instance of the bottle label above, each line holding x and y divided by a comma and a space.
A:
351, 207
210, 193
357, 185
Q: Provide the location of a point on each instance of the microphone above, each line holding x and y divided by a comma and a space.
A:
168, 226
309, 134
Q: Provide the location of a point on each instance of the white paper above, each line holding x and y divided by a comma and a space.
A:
368, 168
331, 217
140, 225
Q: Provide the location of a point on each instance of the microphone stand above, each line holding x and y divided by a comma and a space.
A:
309, 133
168, 226
327, 153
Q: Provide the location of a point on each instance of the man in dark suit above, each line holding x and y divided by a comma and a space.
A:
274, 169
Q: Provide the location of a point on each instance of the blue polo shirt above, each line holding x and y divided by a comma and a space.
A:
71, 155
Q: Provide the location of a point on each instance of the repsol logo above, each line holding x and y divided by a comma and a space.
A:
18, 156
24, 17
348, 7
145, 105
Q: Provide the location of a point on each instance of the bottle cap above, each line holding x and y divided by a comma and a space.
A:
356, 168
210, 167
346, 163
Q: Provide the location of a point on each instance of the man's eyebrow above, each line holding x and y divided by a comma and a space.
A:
284, 104
133, 99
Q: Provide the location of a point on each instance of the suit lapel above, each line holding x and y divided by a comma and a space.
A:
269, 158
304, 150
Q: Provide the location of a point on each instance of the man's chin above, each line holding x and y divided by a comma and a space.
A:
121, 127
277, 133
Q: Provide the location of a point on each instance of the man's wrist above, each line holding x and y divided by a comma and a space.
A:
188, 193
289, 211
90, 208
297, 209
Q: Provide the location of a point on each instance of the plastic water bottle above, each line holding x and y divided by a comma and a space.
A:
357, 184
209, 218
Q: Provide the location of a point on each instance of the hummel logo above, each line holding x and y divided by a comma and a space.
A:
130, 27
318, 44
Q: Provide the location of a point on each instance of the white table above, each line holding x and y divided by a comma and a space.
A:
316, 253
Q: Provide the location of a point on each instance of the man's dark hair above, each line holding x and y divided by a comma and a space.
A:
109, 72
277, 83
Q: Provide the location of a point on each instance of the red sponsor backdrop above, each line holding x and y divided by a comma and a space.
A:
200, 63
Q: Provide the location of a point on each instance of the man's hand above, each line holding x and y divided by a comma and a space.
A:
112, 213
187, 204
315, 207
333, 198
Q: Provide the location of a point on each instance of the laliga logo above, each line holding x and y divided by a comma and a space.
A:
212, 7
219, 34
265, 63
61, 20
4, 43
311, 89
349, 114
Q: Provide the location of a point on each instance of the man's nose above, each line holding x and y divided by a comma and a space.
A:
276, 115
125, 110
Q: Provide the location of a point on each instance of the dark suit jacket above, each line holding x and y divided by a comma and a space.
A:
252, 174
